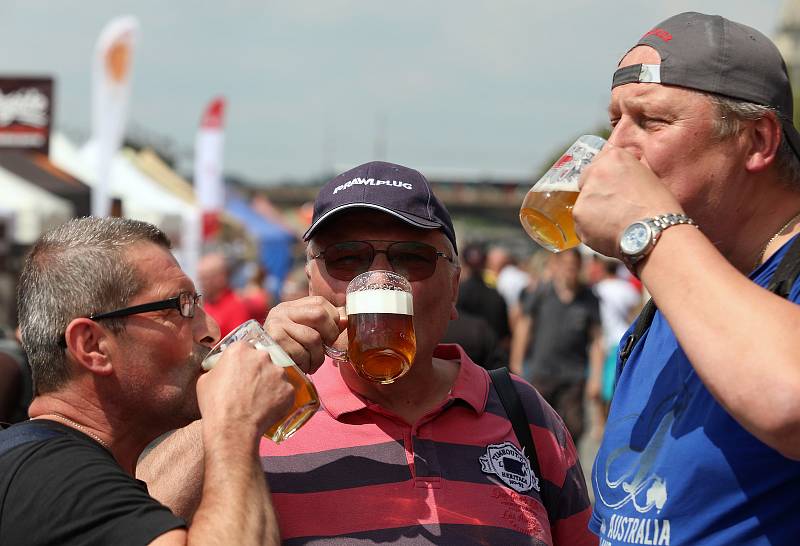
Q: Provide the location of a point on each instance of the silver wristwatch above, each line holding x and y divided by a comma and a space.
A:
639, 238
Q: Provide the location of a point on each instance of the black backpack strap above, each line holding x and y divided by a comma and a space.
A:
23, 433
643, 322
781, 284
509, 397
787, 272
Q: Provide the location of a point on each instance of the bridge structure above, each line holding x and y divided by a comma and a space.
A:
483, 209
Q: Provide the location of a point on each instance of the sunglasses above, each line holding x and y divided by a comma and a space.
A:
411, 259
185, 303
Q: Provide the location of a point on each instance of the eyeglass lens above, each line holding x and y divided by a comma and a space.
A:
188, 302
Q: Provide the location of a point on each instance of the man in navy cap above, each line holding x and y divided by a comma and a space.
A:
432, 457
703, 438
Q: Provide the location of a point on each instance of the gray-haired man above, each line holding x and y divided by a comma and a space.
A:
115, 335
703, 438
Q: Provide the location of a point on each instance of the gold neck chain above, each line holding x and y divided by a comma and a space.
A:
777, 234
78, 426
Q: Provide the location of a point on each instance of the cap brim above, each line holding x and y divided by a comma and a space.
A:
410, 219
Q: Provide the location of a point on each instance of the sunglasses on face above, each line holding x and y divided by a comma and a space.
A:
411, 259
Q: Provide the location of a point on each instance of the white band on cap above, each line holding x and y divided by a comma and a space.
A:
637, 73
650, 73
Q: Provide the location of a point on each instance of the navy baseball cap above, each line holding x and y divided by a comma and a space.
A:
402, 192
712, 54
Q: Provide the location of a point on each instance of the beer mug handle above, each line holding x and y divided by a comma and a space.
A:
336, 354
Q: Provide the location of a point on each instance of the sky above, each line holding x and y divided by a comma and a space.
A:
477, 87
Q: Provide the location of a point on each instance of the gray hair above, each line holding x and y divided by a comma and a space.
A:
75, 270
730, 115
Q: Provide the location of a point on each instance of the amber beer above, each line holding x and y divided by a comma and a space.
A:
546, 215
380, 333
306, 400
546, 212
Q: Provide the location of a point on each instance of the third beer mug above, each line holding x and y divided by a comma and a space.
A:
546, 212
380, 326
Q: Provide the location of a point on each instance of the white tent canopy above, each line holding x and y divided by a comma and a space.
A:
32, 209
142, 197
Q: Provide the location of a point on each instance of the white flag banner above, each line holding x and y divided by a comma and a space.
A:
111, 78
208, 152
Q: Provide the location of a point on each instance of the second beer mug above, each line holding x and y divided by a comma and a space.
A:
380, 327
306, 400
546, 212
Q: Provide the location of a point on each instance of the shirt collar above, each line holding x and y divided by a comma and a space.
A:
471, 385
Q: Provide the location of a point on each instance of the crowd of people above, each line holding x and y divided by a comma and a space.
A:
696, 198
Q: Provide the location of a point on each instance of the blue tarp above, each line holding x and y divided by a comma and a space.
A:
274, 243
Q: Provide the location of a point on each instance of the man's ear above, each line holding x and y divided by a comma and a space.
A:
88, 343
765, 136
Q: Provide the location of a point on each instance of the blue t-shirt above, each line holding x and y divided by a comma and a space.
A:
675, 468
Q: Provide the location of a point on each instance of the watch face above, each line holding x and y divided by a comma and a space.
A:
635, 238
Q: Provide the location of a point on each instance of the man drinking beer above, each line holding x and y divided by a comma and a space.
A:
115, 332
703, 438
430, 458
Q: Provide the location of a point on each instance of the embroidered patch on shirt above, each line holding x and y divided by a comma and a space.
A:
510, 465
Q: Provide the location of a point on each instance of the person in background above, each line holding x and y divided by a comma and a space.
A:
620, 302
16, 390
698, 192
10, 387
295, 286
115, 335
559, 341
255, 296
509, 279
478, 299
221, 302
473, 334
428, 459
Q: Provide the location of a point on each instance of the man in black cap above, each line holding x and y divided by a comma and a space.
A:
703, 438
431, 458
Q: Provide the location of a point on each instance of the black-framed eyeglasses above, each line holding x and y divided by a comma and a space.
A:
185, 303
414, 260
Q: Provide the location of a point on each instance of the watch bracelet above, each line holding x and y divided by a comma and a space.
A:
663, 221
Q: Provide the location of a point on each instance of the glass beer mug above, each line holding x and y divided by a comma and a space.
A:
546, 212
381, 343
306, 400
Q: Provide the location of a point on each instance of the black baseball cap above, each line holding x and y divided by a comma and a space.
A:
713, 54
400, 191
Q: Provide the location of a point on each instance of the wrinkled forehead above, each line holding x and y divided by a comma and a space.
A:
158, 269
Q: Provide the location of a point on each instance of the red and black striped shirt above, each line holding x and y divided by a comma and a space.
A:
357, 474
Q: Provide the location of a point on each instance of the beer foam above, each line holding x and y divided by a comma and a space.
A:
564, 186
210, 361
379, 301
276, 354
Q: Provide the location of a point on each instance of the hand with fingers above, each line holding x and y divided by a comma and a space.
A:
615, 190
244, 391
304, 326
